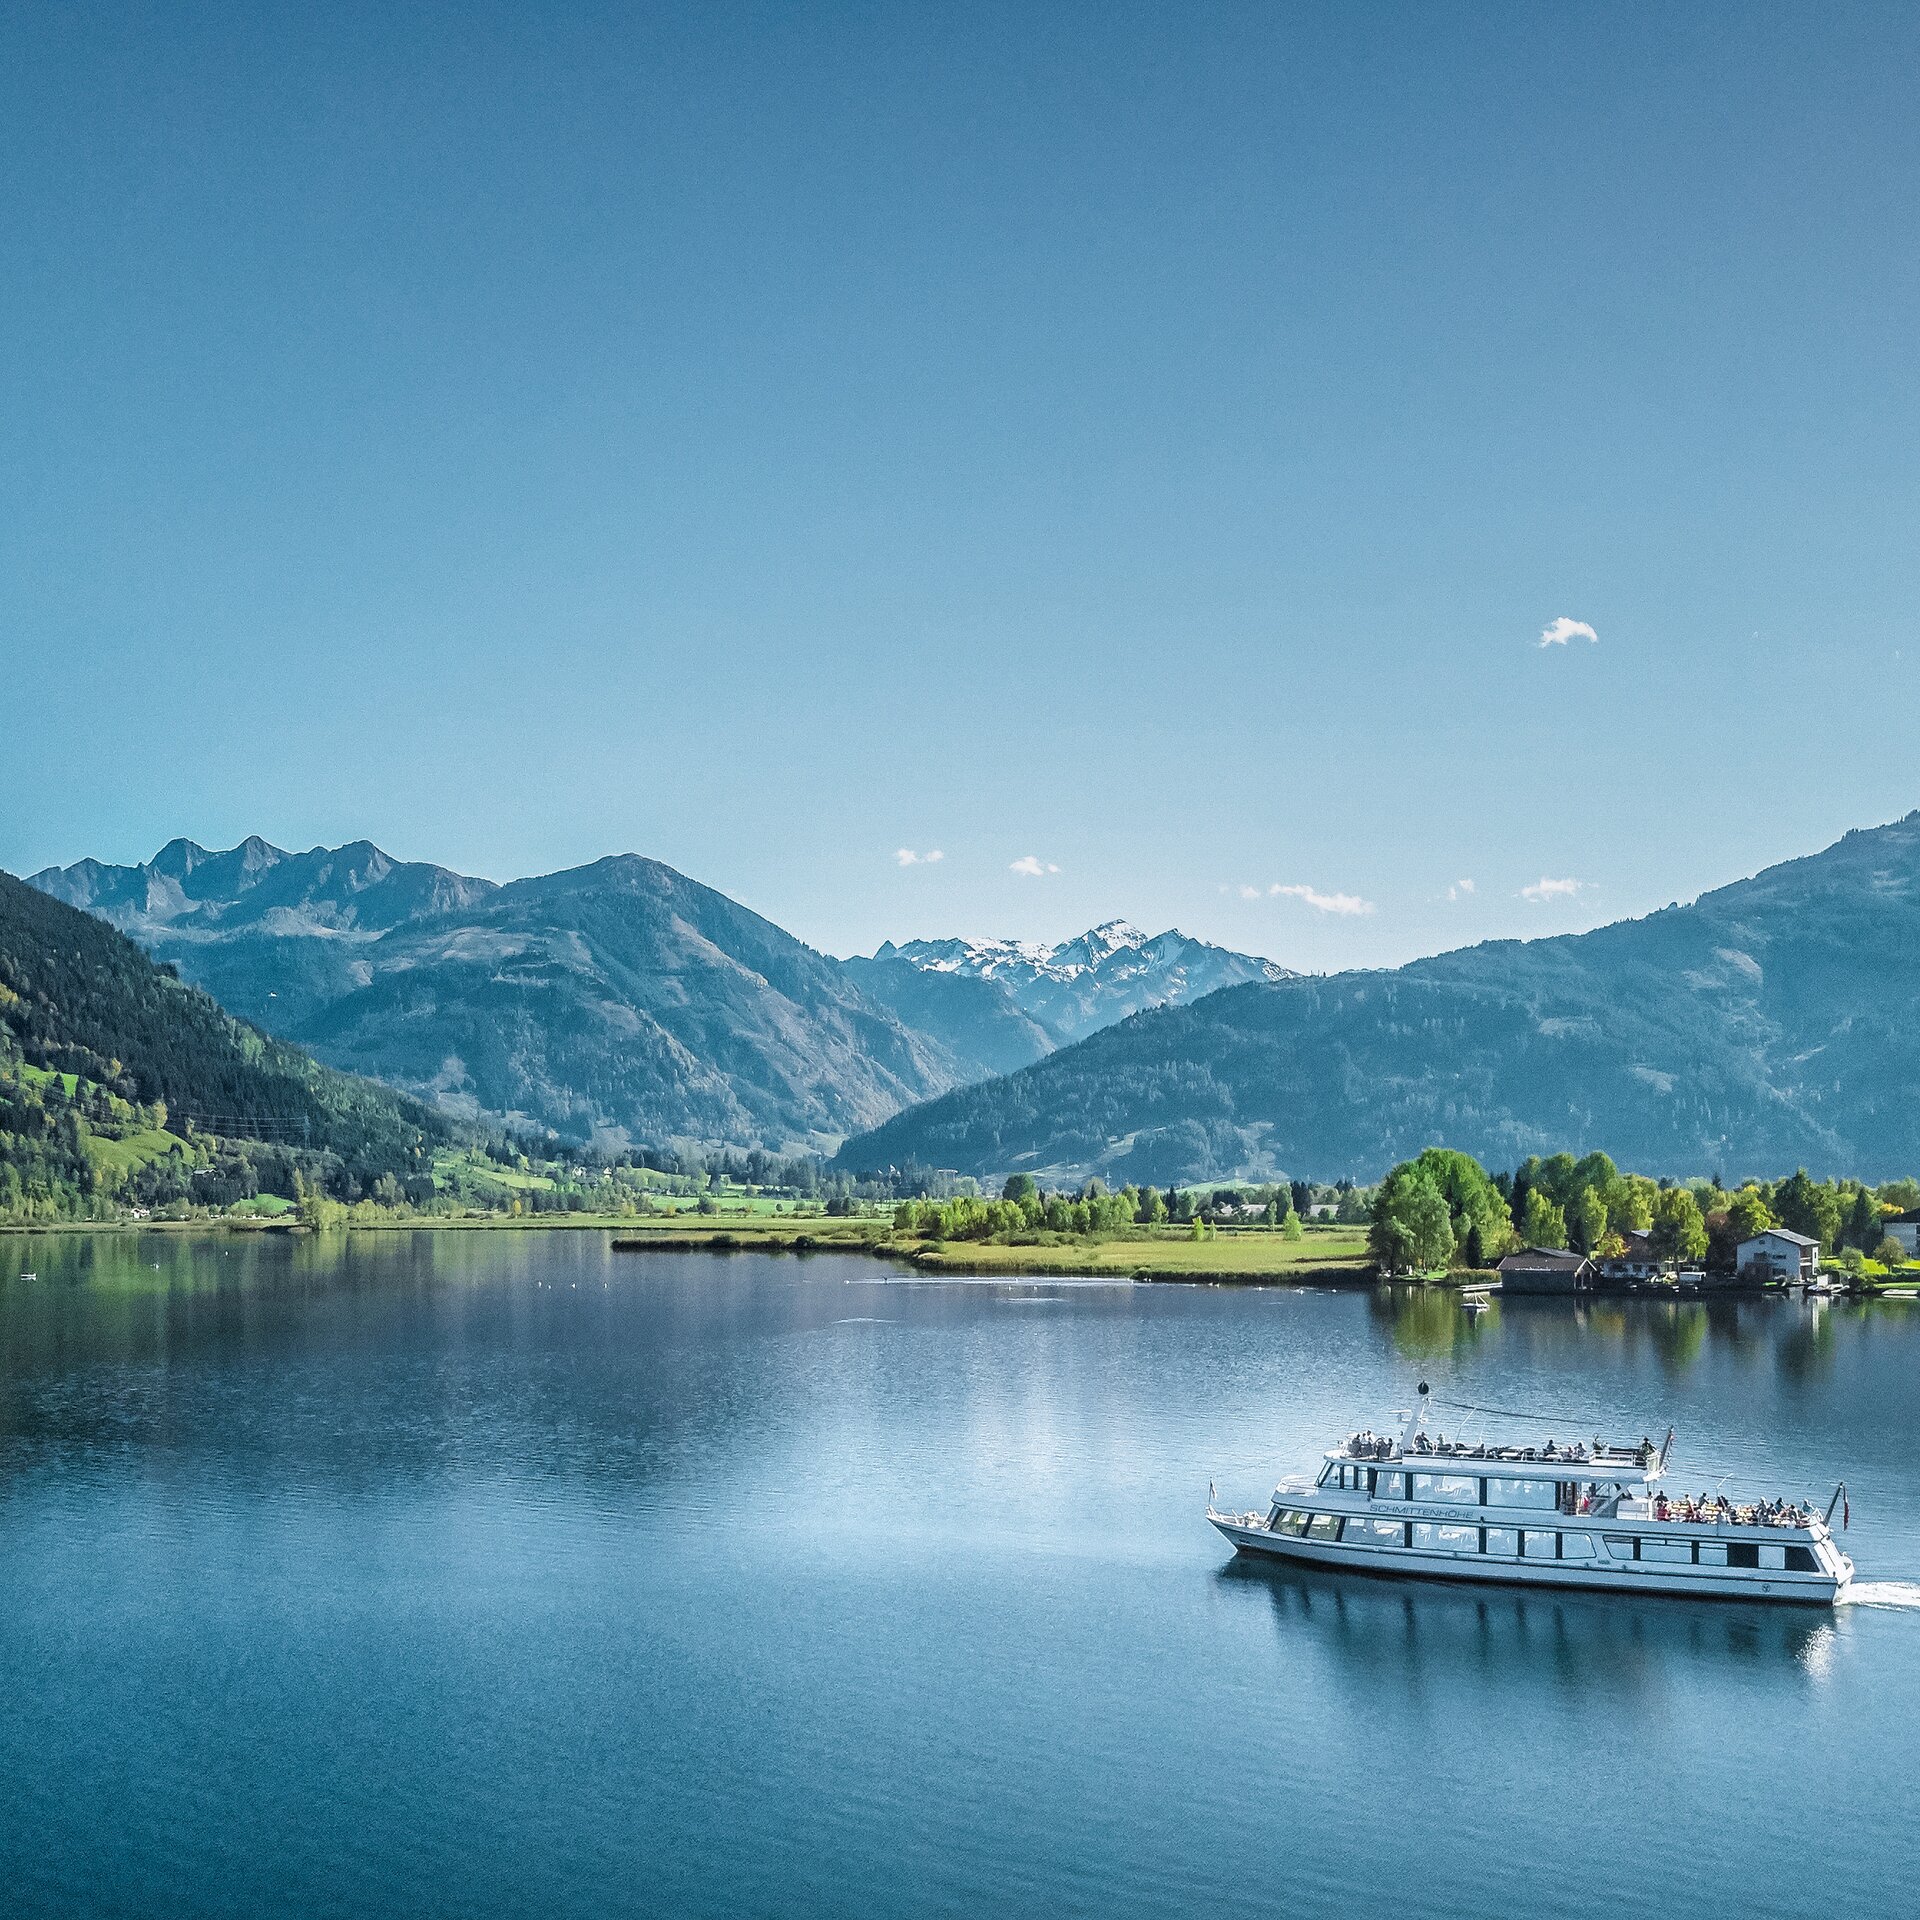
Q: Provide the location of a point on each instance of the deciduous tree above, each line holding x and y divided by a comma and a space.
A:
1679, 1233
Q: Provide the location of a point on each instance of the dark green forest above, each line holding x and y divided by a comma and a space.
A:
119, 1087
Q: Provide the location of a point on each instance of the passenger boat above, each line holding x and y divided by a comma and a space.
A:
1586, 1515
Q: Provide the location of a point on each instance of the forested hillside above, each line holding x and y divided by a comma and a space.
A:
116, 1079
1773, 1022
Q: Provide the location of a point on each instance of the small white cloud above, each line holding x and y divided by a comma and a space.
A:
908, 858
1324, 902
1032, 865
1249, 893
1460, 889
1563, 630
1545, 889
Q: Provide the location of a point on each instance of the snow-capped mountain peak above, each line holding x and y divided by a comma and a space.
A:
1091, 981
1098, 945
982, 957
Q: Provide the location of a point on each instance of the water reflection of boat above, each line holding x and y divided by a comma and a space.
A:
1402, 1634
1591, 1516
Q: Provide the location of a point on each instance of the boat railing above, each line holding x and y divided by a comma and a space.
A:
1371, 1446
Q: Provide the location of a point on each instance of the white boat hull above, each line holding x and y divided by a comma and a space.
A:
1254, 1537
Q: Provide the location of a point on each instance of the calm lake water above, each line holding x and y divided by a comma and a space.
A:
490, 1574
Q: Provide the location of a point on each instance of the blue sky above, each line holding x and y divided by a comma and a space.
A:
1144, 445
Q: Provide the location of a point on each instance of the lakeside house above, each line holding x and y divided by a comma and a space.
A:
1778, 1254
1638, 1262
1546, 1270
1905, 1228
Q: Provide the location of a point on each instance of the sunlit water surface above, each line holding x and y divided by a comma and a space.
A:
496, 1574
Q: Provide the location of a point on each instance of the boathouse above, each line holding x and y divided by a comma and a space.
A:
1546, 1270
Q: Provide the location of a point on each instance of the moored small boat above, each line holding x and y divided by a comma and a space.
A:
1588, 1515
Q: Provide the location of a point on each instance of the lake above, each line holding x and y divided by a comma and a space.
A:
498, 1573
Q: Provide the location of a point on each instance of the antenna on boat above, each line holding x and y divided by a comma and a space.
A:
1666, 1447
1417, 1418
1841, 1501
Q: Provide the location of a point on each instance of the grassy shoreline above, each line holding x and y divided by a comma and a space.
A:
1322, 1257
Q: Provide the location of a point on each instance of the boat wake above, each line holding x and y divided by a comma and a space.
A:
1901, 1594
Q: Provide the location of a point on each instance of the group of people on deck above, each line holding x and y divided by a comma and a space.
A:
1721, 1511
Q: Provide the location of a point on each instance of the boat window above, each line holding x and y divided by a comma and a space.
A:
1671, 1551
1773, 1559
1324, 1526
1293, 1521
1326, 1473
1504, 1540
1452, 1489
1376, 1533
1444, 1537
1801, 1560
1539, 1546
1742, 1553
1623, 1546
1523, 1493
1712, 1553
1389, 1485
1576, 1546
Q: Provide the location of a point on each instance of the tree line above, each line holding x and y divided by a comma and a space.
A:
1024, 1208
1444, 1209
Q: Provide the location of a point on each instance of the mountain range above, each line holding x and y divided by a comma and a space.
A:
1770, 1023
619, 1001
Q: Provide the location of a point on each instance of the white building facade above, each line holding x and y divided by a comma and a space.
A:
1778, 1254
